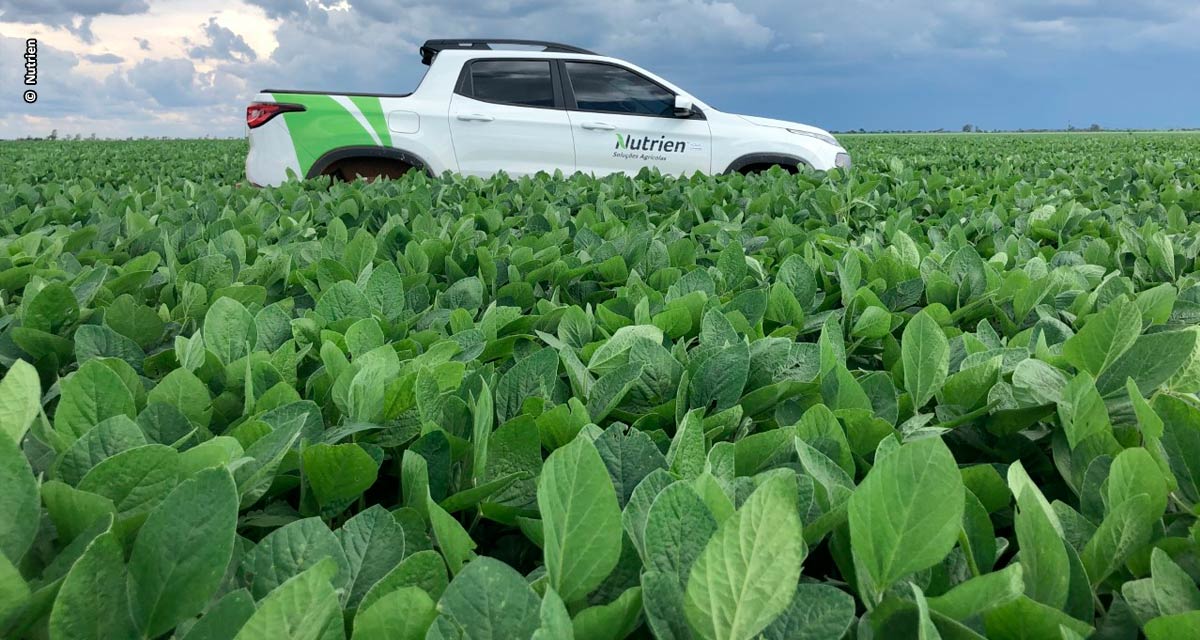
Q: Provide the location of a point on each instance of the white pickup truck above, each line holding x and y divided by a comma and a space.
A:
483, 108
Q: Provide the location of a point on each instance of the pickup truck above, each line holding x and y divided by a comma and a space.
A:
483, 108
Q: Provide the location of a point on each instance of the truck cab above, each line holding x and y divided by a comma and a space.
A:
482, 109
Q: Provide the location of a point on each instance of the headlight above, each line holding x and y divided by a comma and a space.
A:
828, 139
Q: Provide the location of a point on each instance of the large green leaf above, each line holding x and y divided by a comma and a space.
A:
488, 600
926, 356
229, 330
92, 603
291, 550
90, 395
403, 614
747, 573
20, 400
374, 545
182, 551
918, 490
581, 519
305, 607
18, 502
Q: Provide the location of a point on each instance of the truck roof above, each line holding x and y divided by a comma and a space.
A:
431, 48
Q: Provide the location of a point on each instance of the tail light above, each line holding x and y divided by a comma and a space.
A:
259, 113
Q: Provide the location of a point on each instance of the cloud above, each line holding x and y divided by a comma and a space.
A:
280, 8
72, 15
104, 58
223, 44
143, 44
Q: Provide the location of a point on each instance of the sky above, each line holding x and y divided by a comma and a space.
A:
120, 68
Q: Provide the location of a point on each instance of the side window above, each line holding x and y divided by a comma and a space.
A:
604, 87
520, 82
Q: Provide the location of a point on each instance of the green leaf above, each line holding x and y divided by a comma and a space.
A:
229, 330
917, 489
1126, 529
630, 456
254, 476
925, 353
1104, 337
403, 614
374, 545
184, 391
678, 528
52, 309
483, 419
686, 457
1134, 471
718, 380
1046, 566
817, 612
110, 437
491, 601
615, 351
1181, 443
532, 377
454, 541
73, 511
980, 593
338, 472
1173, 627
1174, 590
637, 510
748, 571
90, 395
136, 480
612, 621
288, 552
92, 602
15, 595
1151, 361
305, 607
1026, 619
424, 569
581, 519
1082, 410
665, 606
606, 394
555, 621
182, 551
925, 627
20, 400
225, 617
19, 507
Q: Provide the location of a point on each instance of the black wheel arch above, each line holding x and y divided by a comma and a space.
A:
366, 152
751, 159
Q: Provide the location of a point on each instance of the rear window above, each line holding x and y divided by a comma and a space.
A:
518, 82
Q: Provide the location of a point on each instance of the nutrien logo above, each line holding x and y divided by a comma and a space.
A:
646, 143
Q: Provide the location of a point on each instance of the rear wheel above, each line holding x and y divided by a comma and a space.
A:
368, 169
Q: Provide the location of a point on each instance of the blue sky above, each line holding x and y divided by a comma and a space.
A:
175, 67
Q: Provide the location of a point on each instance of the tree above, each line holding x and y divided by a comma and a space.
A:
968, 128
53, 135
1094, 127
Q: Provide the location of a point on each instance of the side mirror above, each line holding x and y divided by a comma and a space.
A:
683, 107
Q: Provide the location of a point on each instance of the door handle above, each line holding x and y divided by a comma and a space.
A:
476, 117
598, 126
